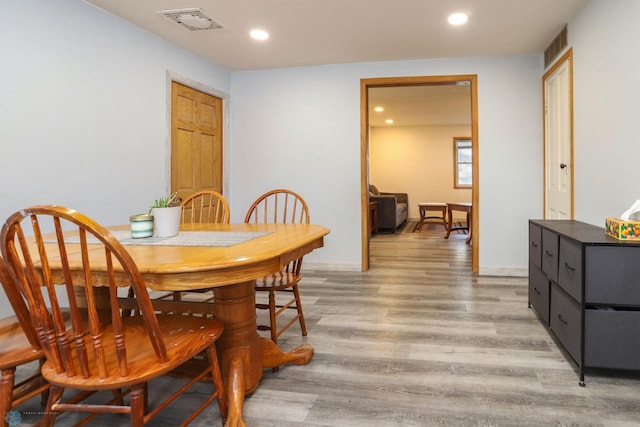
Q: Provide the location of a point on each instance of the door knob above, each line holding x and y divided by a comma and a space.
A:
563, 165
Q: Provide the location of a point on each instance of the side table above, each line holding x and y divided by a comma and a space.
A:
424, 207
463, 207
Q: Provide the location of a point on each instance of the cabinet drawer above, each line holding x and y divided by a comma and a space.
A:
612, 339
535, 244
570, 268
550, 254
565, 321
612, 275
539, 292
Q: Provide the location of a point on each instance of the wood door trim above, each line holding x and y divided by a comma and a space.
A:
365, 84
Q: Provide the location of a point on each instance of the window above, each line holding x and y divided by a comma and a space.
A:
462, 162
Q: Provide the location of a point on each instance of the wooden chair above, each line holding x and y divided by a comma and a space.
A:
18, 346
92, 351
205, 206
284, 207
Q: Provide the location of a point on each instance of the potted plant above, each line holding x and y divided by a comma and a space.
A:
166, 213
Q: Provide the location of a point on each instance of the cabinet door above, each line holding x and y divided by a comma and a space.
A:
539, 292
612, 339
565, 321
570, 268
550, 254
612, 275
535, 244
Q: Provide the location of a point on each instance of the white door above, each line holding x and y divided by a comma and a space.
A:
558, 140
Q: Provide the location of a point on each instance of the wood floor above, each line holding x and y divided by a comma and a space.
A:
419, 341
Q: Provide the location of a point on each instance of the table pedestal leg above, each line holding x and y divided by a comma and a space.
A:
235, 392
239, 345
235, 308
272, 356
242, 352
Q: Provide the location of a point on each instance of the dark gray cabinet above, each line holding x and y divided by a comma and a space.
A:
585, 287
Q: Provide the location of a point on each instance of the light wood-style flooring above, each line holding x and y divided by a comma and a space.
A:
419, 341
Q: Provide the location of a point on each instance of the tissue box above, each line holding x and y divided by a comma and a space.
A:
621, 229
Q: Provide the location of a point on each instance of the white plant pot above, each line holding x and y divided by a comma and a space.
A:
166, 221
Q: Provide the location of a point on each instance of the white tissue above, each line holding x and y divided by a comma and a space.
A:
633, 213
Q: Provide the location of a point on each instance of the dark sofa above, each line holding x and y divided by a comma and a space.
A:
393, 208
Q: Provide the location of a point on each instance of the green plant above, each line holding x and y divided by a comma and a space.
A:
165, 202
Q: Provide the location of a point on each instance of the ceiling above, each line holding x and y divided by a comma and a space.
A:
420, 105
320, 32
317, 32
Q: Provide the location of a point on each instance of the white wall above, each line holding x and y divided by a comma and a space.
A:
417, 160
300, 128
606, 72
83, 110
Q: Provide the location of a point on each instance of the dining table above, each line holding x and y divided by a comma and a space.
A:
228, 258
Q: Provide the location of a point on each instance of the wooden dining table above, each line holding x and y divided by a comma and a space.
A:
231, 270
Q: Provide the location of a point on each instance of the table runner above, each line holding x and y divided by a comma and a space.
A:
184, 238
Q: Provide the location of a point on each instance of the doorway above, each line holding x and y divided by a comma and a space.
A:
365, 86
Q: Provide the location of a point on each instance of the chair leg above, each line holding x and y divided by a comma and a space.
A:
303, 325
44, 396
272, 316
217, 382
55, 395
146, 397
127, 312
117, 397
6, 393
138, 404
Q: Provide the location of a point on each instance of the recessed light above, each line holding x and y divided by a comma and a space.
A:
458, 18
259, 34
379, 109
389, 121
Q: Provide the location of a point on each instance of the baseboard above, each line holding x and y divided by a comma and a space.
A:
492, 271
319, 266
504, 271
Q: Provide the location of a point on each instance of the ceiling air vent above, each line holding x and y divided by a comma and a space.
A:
192, 19
555, 47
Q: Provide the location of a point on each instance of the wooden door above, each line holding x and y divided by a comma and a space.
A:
558, 140
196, 141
